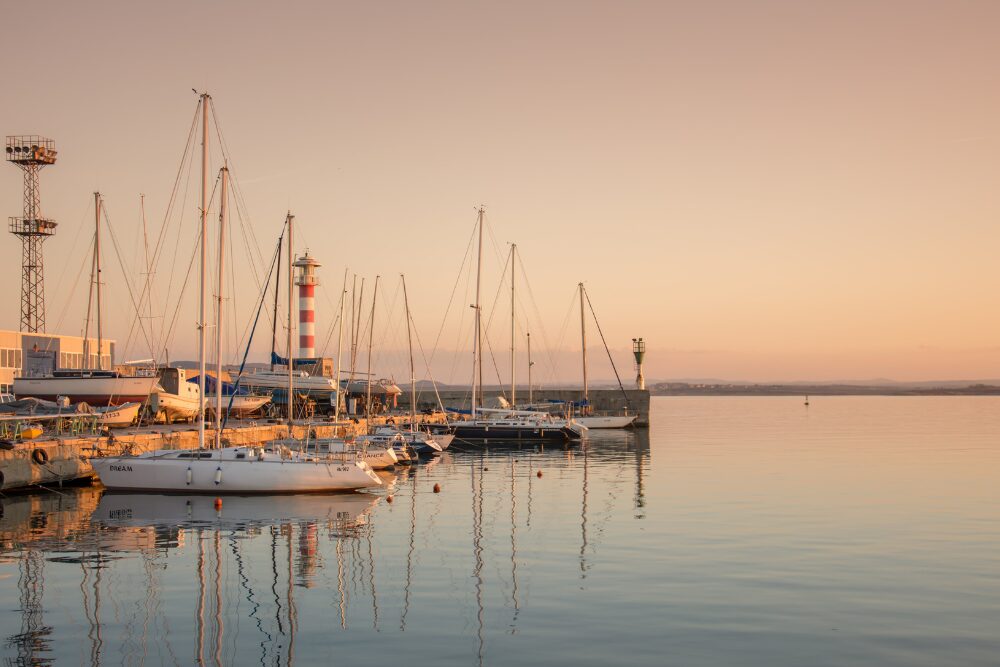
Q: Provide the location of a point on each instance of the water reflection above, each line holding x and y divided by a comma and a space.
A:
262, 579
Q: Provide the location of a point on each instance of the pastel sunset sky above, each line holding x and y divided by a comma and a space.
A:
769, 190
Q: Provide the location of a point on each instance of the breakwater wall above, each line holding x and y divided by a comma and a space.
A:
603, 401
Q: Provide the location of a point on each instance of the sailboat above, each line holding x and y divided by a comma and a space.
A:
494, 424
88, 385
247, 469
587, 419
422, 442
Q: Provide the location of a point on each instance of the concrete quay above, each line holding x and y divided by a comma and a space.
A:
53, 461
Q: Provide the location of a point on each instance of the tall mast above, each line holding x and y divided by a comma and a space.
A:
371, 340
340, 347
223, 211
513, 383
274, 320
583, 341
413, 373
477, 355
289, 218
531, 395
204, 267
97, 262
90, 293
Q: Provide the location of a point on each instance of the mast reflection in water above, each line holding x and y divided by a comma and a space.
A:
274, 580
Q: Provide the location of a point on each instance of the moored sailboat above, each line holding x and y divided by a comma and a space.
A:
275, 469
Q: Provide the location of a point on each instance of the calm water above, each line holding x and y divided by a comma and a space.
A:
737, 531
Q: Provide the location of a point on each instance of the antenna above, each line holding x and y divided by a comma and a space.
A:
30, 153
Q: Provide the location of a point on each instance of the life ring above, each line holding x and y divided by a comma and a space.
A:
39, 456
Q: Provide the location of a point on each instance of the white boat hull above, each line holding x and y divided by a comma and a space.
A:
606, 422
211, 475
242, 405
90, 390
173, 407
120, 416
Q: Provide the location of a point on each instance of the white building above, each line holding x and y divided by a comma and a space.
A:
25, 354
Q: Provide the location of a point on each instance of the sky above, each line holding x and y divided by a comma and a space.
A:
764, 191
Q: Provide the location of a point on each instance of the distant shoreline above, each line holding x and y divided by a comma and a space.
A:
680, 389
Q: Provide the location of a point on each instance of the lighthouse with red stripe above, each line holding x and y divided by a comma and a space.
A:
306, 280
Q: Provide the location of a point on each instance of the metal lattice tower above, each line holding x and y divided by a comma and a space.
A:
30, 153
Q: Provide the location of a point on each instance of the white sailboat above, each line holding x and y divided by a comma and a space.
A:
591, 420
275, 469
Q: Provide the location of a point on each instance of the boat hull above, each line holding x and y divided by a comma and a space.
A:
606, 422
476, 432
120, 416
172, 406
99, 391
227, 476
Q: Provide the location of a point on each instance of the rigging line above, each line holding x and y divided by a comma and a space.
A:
495, 366
565, 324
454, 287
180, 299
416, 334
76, 282
187, 156
159, 248
541, 322
606, 349
389, 327
336, 320
238, 192
159, 344
187, 276
128, 286
246, 351
65, 266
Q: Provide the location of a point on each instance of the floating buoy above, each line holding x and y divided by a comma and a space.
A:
218, 503
539, 473
437, 488
388, 499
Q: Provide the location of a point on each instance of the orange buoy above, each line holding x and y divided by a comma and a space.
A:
218, 503
539, 473
437, 488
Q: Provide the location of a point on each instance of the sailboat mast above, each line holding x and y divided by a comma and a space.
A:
477, 356
274, 320
340, 347
531, 394
413, 373
97, 263
371, 340
583, 345
204, 268
223, 211
513, 350
289, 218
